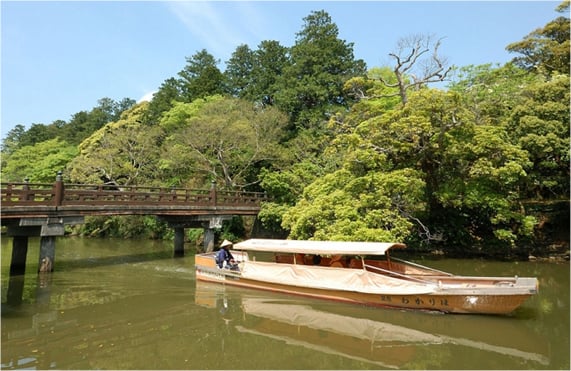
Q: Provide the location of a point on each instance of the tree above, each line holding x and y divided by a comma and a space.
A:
239, 71
415, 67
540, 125
163, 100
123, 152
346, 206
546, 50
37, 133
12, 140
311, 85
39, 162
492, 92
85, 123
223, 140
200, 77
270, 60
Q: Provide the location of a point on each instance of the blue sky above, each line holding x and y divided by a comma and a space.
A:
59, 58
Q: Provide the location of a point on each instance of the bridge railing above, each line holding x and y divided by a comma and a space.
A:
59, 194
25, 194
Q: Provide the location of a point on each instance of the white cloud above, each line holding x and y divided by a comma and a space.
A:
147, 97
207, 25
220, 26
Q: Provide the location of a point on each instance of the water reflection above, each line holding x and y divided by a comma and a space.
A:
149, 313
384, 344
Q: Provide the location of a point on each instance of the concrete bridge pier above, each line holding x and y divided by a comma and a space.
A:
47, 229
208, 244
47, 254
179, 242
19, 255
17, 270
209, 223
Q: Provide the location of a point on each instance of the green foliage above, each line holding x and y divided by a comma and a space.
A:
163, 99
239, 72
39, 162
546, 50
222, 140
125, 151
271, 215
270, 60
540, 125
132, 226
194, 235
491, 92
200, 77
372, 207
232, 229
13, 140
311, 85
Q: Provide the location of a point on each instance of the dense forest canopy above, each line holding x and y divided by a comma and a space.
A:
345, 152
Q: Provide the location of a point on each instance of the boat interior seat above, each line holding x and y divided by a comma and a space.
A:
356, 263
338, 261
286, 259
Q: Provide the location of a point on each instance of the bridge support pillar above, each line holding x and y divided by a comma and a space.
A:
47, 253
209, 239
178, 242
19, 254
209, 223
17, 270
48, 229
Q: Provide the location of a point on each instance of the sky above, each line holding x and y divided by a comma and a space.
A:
60, 57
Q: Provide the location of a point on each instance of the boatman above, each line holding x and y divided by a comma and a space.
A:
224, 257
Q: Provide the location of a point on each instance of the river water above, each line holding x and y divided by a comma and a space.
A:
115, 304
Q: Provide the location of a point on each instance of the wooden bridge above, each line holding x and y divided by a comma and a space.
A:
38, 209
26, 200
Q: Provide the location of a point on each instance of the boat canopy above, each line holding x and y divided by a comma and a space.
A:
317, 247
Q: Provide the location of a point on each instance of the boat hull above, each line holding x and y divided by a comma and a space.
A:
459, 301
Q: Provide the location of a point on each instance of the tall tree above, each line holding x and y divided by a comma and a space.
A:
163, 100
311, 86
546, 49
85, 123
270, 60
238, 72
12, 140
200, 77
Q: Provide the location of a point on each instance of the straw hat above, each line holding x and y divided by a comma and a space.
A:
225, 243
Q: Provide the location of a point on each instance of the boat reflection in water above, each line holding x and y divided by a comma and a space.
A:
402, 341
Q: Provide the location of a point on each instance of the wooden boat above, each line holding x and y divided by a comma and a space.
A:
363, 273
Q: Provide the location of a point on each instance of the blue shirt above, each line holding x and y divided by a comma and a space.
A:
223, 255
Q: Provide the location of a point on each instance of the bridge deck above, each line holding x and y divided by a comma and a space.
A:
26, 200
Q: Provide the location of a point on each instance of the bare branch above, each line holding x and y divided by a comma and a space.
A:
414, 68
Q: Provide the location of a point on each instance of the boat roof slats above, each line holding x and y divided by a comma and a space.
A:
317, 247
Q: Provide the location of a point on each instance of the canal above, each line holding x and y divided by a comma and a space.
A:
116, 304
